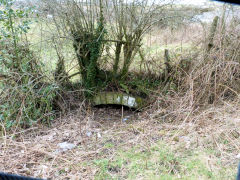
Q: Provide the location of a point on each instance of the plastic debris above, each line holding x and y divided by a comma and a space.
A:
64, 146
89, 133
238, 156
125, 118
99, 135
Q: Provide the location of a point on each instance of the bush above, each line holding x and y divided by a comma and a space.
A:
25, 98
212, 75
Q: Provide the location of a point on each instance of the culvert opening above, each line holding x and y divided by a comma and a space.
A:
115, 106
118, 99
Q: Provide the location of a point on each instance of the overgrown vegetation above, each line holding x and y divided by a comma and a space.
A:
214, 74
25, 97
107, 41
186, 72
108, 29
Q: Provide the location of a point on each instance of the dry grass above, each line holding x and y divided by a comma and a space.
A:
215, 129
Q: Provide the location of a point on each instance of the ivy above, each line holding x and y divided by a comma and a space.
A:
95, 51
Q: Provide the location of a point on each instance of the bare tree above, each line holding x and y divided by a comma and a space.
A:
130, 20
82, 22
90, 24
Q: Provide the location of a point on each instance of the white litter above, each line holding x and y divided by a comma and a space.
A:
125, 118
88, 133
99, 135
238, 156
64, 146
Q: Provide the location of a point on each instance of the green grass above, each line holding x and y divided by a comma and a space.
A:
40, 37
43, 30
158, 162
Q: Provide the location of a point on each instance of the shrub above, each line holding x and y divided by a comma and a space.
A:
25, 98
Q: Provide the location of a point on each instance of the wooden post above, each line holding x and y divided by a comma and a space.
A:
212, 34
167, 65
